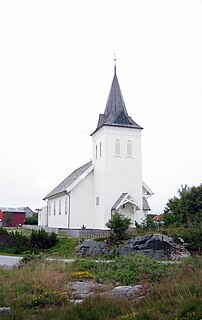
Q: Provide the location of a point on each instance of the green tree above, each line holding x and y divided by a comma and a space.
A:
33, 220
186, 208
118, 225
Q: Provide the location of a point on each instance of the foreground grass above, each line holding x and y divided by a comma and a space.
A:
39, 290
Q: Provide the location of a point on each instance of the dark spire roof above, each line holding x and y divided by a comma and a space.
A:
115, 113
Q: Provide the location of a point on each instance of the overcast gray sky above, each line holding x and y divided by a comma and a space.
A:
56, 69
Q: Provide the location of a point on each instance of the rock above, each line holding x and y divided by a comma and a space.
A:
125, 291
5, 310
156, 246
79, 290
91, 248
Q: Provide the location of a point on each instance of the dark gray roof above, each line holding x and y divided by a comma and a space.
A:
69, 180
115, 205
115, 113
145, 204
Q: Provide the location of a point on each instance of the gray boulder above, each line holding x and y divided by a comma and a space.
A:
156, 246
91, 248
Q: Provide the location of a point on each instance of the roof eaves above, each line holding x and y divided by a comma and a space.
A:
79, 179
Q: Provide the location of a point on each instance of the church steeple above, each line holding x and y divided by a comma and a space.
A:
115, 113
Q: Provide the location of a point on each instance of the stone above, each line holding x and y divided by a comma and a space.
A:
5, 310
91, 248
125, 291
157, 246
79, 290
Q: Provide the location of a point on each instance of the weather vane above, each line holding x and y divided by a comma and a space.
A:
114, 63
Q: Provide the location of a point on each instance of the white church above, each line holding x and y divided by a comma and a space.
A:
111, 182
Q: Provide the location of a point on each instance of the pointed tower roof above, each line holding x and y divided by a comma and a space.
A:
115, 113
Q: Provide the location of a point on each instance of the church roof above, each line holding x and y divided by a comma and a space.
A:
115, 113
67, 182
126, 196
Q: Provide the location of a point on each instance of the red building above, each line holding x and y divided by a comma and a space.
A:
11, 217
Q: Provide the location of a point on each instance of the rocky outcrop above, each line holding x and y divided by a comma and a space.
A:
92, 248
79, 290
156, 246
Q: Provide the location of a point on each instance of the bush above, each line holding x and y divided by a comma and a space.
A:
42, 240
33, 220
16, 242
186, 208
118, 225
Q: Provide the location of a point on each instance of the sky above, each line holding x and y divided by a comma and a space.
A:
56, 69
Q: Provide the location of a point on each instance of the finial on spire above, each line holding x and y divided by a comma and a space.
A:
114, 63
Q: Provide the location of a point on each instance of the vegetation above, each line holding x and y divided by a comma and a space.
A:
118, 225
39, 290
173, 291
17, 242
186, 209
125, 270
33, 220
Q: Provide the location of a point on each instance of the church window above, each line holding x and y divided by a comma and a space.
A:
97, 201
54, 209
100, 150
49, 209
117, 147
129, 148
96, 152
59, 207
66, 205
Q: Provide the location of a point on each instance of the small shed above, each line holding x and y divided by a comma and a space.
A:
12, 217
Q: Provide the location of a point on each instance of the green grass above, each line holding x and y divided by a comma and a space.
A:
39, 290
126, 270
64, 248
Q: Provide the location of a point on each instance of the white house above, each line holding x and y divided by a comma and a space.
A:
112, 181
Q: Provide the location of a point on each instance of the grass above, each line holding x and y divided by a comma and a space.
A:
65, 248
40, 290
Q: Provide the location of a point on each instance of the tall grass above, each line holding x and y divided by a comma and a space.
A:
39, 290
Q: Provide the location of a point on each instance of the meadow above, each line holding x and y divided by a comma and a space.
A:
38, 289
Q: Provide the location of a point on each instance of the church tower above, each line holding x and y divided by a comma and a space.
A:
116, 148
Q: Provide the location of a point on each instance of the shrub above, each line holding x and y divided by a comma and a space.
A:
33, 220
118, 225
16, 242
42, 240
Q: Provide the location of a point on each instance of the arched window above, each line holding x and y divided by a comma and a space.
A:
100, 150
49, 209
59, 207
66, 205
117, 147
54, 209
129, 148
96, 152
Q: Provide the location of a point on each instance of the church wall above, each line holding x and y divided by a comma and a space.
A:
99, 179
56, 211
43, 217
115, 174
123, 172
81, 203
